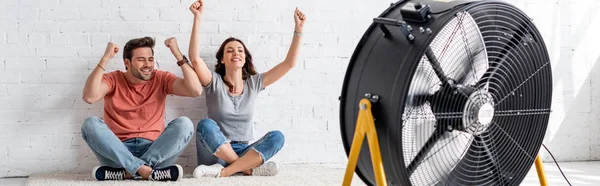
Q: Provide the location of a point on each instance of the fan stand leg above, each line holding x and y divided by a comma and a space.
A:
540, 171
365, 125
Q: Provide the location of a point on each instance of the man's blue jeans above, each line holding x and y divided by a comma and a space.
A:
209, 138
131, 154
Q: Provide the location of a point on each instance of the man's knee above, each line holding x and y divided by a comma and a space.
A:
91, 124
183, 125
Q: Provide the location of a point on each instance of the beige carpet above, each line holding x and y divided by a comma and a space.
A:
305, 175
579, 173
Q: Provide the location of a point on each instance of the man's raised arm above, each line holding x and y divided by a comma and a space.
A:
95, 89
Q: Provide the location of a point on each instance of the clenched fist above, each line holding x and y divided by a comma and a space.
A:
197, 7
299, 19
111, 50
171, 42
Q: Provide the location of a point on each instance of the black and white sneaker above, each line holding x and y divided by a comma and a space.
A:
102, 173
170, 173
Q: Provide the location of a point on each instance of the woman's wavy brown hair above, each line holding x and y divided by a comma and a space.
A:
247, 70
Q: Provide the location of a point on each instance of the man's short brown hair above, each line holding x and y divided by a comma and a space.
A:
137, 43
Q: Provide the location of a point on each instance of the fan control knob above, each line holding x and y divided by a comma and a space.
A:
418, 6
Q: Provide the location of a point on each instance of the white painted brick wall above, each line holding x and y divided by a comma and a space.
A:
3, 90
569, 32
15, 37
3, 38
47, 49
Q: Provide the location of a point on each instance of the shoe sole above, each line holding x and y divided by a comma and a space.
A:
269, 164
276, 169
94, 173
194, 173
180, 169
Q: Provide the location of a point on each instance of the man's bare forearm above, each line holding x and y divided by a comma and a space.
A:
92, 91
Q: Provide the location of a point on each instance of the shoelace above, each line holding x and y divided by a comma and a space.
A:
113, 175
161, 174
213, 173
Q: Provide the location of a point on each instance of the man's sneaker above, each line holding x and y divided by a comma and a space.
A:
102, 173
170, 173
213, 171
266, 169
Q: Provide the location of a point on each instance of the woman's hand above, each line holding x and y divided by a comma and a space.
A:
299, 19
197, 7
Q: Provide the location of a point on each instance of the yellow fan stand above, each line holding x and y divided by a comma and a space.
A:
365, 125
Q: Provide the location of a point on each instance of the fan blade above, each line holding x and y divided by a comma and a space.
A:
437, 134
442, 158
479, 66
481, 165
477, 59
436, 67
430, 152
461, 50
424, 84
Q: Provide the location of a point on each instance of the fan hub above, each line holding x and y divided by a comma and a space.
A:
479, 112
485, 114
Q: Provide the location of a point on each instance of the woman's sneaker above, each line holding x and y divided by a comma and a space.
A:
170, 173
266, 169
102, 173
213, 171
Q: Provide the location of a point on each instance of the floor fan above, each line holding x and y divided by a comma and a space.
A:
446, 92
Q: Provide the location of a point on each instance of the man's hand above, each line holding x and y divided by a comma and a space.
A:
197, 8
111, 51
171, 43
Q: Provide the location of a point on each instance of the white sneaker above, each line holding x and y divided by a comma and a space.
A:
213, 171
269, 168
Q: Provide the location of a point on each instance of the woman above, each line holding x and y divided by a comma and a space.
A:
230, 97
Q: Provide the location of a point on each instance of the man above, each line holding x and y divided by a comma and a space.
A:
132, 141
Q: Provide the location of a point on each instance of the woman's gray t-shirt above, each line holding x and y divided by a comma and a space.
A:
233, 114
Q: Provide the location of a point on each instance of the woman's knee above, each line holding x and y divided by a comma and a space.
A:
277, 138
207, 126
209, 135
